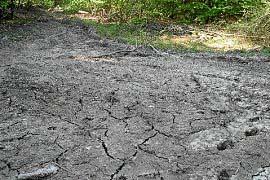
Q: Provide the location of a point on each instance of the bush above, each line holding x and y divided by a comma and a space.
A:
7, 9
74, 6
41, 3
203, 12
200, 11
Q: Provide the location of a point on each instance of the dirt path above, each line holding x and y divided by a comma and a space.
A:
130, 116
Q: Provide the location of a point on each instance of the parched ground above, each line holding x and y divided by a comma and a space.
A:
131, 115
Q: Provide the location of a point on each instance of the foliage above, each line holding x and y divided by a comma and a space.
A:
6, 9
42, 3
4, 4
138, 34
199, 11
258, 27
141, 12
74, 6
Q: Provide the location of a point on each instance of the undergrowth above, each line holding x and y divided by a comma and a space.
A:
259, 25
213, 40
247, 21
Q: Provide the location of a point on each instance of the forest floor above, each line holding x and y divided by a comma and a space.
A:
99, 109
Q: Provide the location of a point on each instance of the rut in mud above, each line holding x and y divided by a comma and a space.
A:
130, 115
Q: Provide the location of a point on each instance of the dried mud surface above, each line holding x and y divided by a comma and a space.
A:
130, 116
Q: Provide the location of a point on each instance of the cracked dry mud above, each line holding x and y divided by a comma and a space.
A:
133, 116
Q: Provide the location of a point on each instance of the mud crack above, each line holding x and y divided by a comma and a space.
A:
106, 150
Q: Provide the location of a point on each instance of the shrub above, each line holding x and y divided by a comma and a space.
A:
41, 3
6, 9
200, 11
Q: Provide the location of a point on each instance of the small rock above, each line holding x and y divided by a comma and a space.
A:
223, 175
254, 119
225, 145
251, 132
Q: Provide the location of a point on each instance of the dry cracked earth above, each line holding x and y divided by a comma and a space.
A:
132, 115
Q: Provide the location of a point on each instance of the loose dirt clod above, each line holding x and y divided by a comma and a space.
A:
225, 145
223, 175
252, 132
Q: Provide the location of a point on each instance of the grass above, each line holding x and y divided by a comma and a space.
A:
211, 38
202, 39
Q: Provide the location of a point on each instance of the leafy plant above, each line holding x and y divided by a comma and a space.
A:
6, 9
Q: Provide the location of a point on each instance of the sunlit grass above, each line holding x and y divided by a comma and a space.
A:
200, 39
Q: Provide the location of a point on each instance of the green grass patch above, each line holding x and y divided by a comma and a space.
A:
135, 34
219, 41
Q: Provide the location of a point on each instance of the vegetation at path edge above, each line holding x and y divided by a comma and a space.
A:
237, 23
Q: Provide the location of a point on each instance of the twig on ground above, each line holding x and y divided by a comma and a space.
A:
196, 80
39, 173
113, 53
156, 51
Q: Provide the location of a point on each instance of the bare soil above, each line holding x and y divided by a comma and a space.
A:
132, 115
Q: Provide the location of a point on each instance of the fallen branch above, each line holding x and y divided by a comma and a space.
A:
156, 51
196, 80
39, 173
113, 53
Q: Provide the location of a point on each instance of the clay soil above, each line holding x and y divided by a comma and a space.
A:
103, 110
